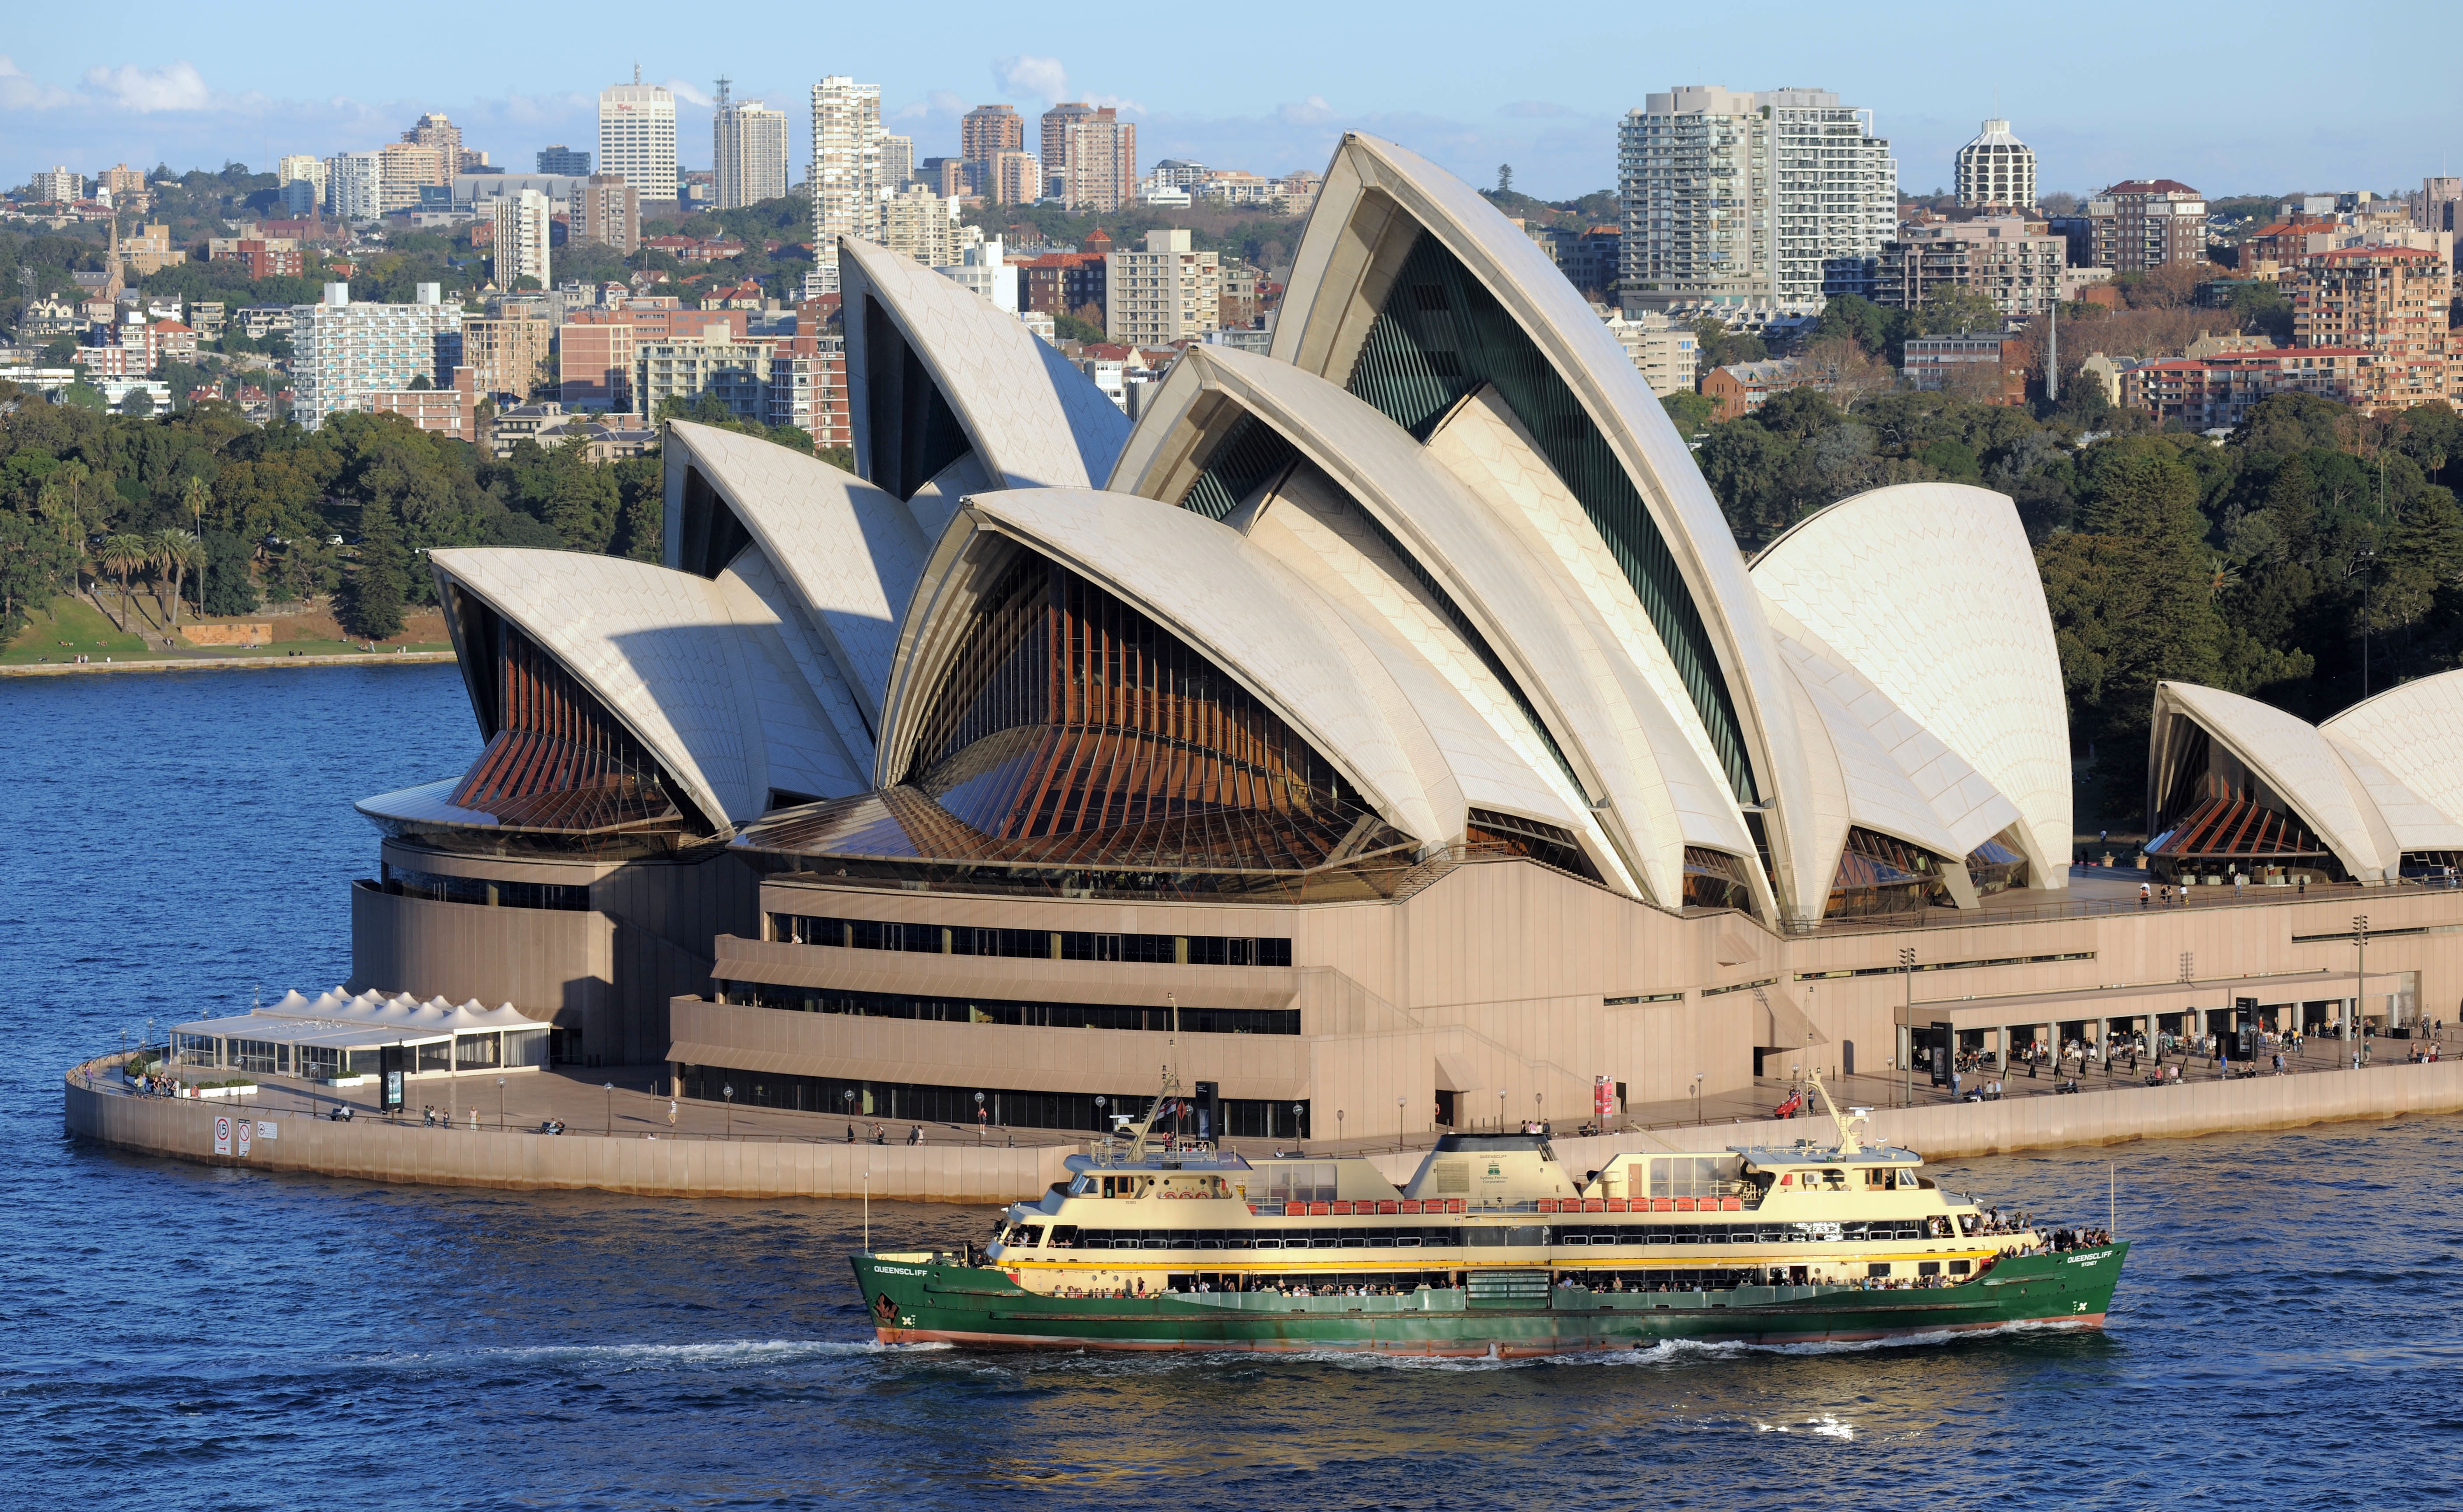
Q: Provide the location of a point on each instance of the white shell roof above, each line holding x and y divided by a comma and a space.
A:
1035, 419
695, 669
852, 551
1604, 716
1930, 592
1320, 329
1247, 612
2290, 755
2404, 745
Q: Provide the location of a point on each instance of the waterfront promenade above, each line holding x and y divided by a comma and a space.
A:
620, 1141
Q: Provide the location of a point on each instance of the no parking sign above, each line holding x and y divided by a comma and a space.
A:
242, 1138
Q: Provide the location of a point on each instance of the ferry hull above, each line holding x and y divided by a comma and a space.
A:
977, 1308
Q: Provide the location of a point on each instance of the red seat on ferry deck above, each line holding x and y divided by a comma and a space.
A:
1384, 1206
1595, 1204
1661, 1204
1453, 1205
1319, 1209
1733, 1204
1684, 1204
1342, 1209
1616, 1204
1547, 1204
1410, 1204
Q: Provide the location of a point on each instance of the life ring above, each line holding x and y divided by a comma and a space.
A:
887, 1307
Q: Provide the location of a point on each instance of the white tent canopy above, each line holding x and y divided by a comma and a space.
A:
339, 1033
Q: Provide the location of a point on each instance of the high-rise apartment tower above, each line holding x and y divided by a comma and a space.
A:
1998, 170
747, 150
1731, 197
846, 169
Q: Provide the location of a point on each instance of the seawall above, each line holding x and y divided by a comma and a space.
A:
373, 1151
348, 658
2121, 1116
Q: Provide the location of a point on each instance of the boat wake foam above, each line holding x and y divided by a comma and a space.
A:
718, 1354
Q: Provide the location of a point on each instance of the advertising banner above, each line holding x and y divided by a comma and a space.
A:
1602, 1099
222, 1133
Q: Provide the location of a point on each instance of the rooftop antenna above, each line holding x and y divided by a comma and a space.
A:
637, 72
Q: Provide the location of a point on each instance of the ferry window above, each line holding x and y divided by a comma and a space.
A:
1958, 1267
1693, 1175
1064, 1235
1300, 1181
1032, 1237
1883, 1269
1929, 1267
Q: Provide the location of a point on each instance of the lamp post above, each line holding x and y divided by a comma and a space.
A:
1098, 1115
1698, 1097
1500, 1110
610, 1089
500, 1103
1908, 1026
726, 1093
1298, 1133
1535, 1108
980, 1118
2359, 977
1398, 1124
1338, 1128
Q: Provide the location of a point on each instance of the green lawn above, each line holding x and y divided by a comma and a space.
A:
71, 618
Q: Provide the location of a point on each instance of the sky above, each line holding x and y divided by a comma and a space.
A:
2101, 90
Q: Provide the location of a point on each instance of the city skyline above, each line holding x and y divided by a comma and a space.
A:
1551, 108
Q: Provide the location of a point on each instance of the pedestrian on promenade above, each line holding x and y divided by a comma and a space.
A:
850, 1133
672, 1113
2143, 890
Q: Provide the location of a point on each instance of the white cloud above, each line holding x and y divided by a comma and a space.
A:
688, 94
1310, 112
1031, 78
18, 92
147, 90
1533, 109
1120, 103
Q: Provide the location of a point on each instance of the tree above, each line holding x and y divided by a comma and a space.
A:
34, 564
1504, 178
176, 554
84, 396
225, 587
122, 557
2132, 603
372, 609
59, 351
138, 404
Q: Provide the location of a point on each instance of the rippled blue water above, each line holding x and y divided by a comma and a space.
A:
177, 1336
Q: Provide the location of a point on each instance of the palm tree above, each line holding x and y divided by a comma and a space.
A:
178, 552
162, 548
121, 555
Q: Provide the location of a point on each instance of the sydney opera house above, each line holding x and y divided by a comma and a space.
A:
1393, 712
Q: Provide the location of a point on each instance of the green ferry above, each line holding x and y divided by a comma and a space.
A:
1494, 1248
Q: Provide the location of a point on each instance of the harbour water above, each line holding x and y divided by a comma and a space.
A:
172, 1335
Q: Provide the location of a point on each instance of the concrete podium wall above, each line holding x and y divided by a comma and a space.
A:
373, 1151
